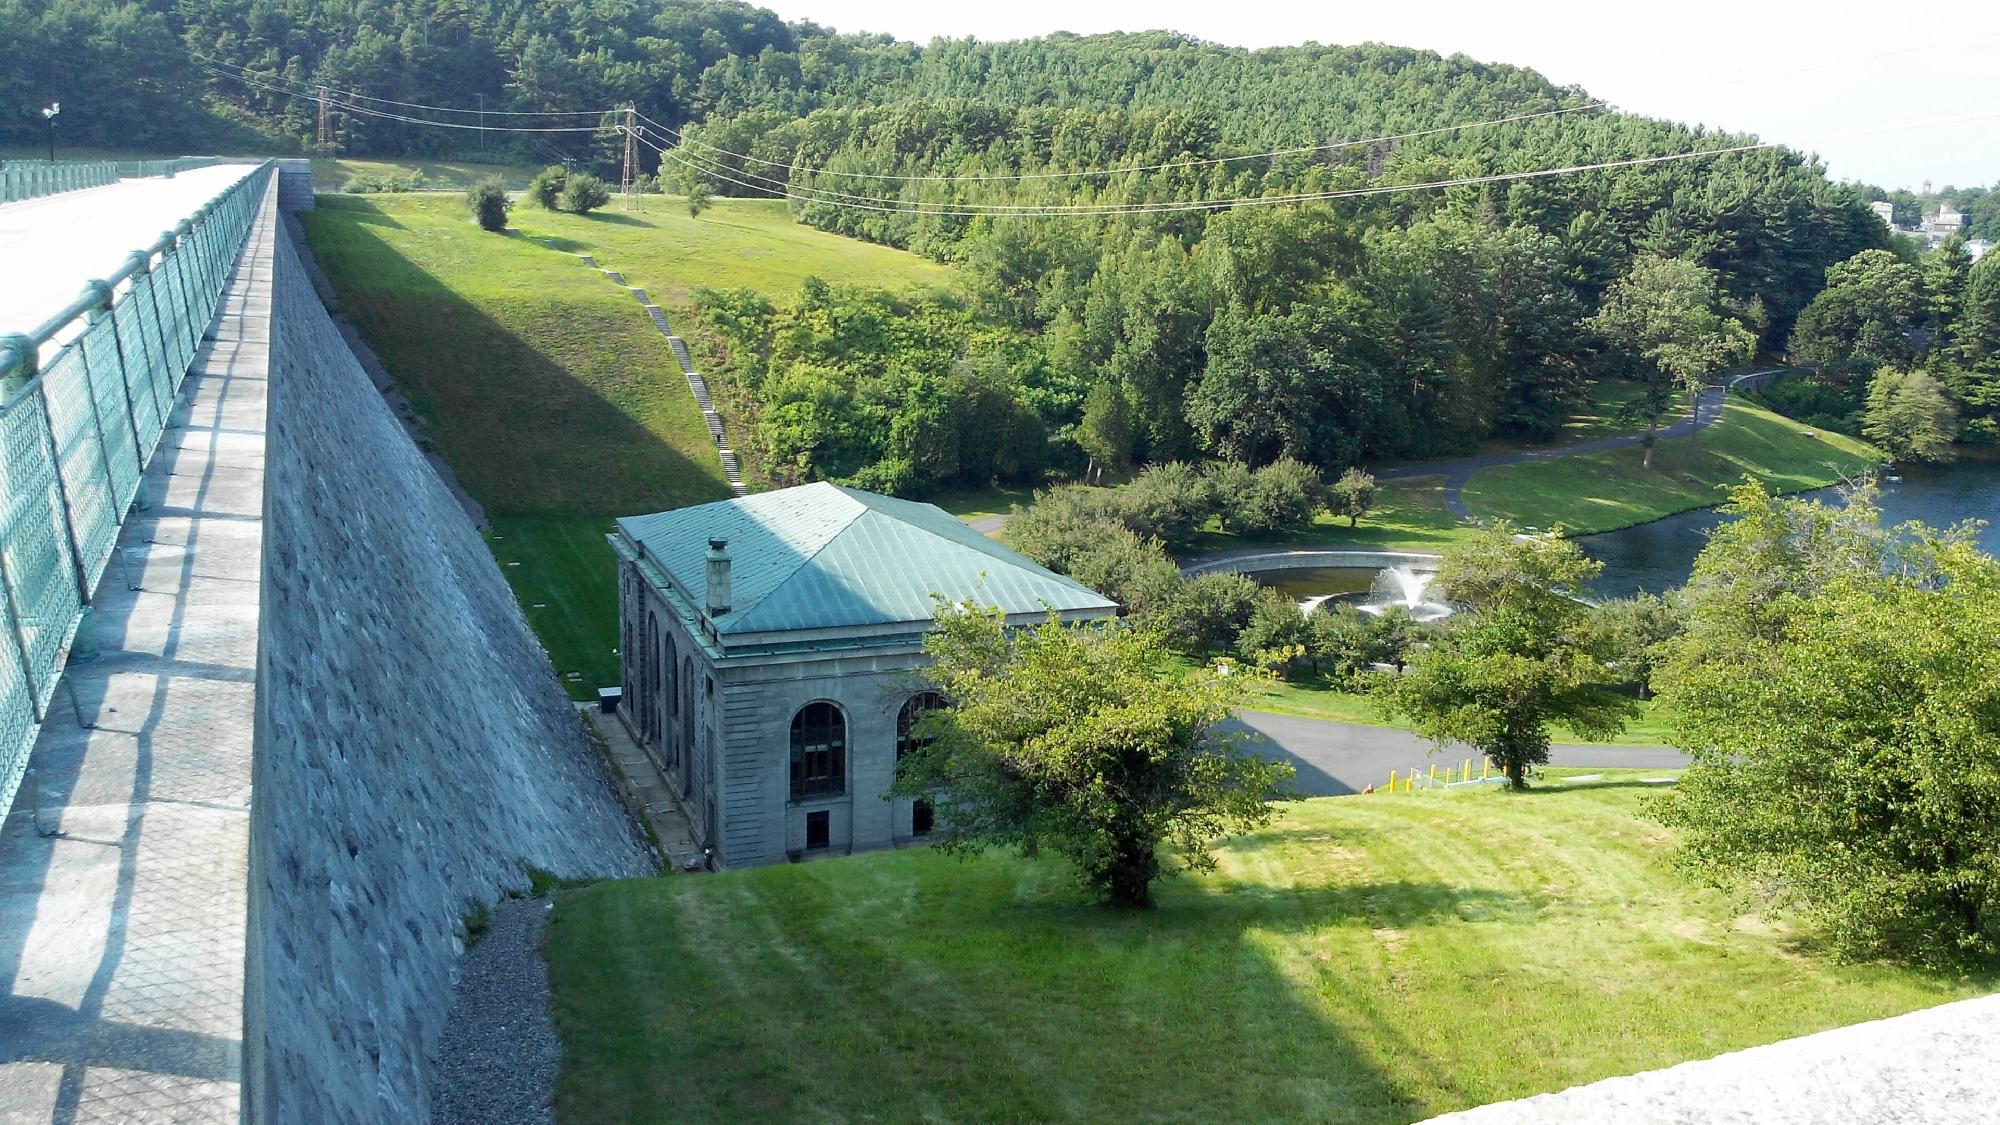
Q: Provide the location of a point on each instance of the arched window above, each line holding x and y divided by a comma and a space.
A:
649, 722
922, 818
919, 705
819, 751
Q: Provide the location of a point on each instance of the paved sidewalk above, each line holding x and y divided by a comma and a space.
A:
645, 786
122, 935
52, 245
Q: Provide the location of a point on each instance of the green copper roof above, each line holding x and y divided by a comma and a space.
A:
820, 556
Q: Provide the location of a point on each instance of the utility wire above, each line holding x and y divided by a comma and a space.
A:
1331, 146
1038, 211
349, 107
247, 74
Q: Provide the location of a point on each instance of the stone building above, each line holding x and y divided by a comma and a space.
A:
772, 656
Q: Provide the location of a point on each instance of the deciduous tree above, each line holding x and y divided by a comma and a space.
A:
1081, 742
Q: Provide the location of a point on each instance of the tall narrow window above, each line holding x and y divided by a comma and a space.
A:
819, 752
907, 739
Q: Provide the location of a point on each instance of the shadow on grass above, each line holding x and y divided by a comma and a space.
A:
616, 218
1027, 1004
525, 433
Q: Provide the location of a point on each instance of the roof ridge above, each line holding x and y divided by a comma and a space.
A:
804, 559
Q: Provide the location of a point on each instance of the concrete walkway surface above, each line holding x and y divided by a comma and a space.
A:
122, 934
52, 245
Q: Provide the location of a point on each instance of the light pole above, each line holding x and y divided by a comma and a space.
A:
50, 113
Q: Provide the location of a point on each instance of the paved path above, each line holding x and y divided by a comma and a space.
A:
1707, 412
52, 245
122, 935
1336, 759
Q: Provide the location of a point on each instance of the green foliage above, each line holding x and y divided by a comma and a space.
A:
547, 187
1858, 322
1909, 415
1839, 692
1207, 612
1353, 495
1078, 740
1628, 636
1276, 634
1168, 502
1516, 660
1666, 315
1286, 495
1105, 432
489, 204
583, 193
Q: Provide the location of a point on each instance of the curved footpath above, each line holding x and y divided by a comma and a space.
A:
1707, 412
1338, 759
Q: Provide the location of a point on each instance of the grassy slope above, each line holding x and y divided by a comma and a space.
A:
1604, 491
735, 242
1409, 514
332, 175
552, 397
1374, 959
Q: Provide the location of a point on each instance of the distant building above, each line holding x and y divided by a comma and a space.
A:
1887, 210
772, 649
1945, 222
1977, 247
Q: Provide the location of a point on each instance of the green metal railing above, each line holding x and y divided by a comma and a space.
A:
76, 433
27, 179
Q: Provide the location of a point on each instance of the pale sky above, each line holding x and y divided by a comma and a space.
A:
1831, 77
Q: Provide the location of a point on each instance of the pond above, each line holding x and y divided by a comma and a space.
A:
1366, 588
1658, 556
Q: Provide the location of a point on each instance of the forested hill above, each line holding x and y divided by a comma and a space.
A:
1373, 322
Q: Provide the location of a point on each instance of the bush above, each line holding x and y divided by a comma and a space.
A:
1285, 495
1170, 502
547, 187
583, 193
1136, 573
1207, 612
488, 202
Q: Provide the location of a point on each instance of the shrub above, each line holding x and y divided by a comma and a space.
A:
1353, 495
547, 186
1170, 502
1285, 495
488, 202
583, 193
1207, 612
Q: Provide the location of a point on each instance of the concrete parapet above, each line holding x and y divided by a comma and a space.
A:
1242, 562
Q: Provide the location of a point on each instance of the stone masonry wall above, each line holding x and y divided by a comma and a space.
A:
413, 752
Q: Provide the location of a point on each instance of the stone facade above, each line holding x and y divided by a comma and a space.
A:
719, 726
770, 677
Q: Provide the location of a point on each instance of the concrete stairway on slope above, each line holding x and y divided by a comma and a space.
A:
732, 465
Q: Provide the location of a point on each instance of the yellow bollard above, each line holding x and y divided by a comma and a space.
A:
1392, 781
1468, 769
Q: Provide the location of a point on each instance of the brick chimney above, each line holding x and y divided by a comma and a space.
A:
718, 577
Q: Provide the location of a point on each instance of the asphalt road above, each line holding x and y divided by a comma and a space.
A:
1337, 759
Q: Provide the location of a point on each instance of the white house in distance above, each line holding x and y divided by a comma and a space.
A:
772, 656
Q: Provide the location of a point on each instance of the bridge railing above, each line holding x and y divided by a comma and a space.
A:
27, 179
76, 433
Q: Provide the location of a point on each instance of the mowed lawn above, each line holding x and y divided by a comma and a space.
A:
1369, 959
734, 242
1409, 515
1610, 490
552, 397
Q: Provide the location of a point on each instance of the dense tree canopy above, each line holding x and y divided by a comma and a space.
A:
1836, 688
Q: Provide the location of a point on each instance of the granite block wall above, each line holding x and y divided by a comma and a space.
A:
414, 751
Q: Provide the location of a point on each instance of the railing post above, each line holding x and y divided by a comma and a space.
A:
14, 629
62, 497
143, 266
104, 309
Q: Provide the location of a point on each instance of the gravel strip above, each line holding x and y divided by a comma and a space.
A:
497, 1060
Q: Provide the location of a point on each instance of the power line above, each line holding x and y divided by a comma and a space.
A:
246, 72
365, 111
1331, 146
1088, 210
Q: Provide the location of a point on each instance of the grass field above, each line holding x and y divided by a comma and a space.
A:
1409, 515
546, 389
735, 242
1368, 959
1605, 491
332, 175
